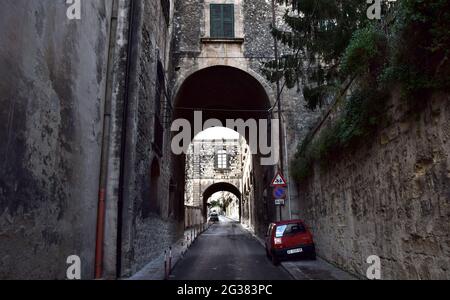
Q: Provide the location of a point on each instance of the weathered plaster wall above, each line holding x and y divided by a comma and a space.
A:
390, 198
52, 87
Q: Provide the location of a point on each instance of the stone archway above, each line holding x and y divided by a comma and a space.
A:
224, 92
182, 77
220, 187
224, 89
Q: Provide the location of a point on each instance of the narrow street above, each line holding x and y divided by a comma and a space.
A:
227, 252
130, 126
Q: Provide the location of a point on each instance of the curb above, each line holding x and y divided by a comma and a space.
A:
262, 243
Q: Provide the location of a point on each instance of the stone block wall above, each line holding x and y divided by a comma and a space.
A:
390, 198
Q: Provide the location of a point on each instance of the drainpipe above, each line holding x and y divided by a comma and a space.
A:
100, 231
287, 171
101, 207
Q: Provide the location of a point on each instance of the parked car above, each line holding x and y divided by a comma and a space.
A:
214, 217
289, 239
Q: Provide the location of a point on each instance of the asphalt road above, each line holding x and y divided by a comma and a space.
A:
227, 252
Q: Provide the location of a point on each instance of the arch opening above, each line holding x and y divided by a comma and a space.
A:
224, 203
222, 94
222, 91
225, 93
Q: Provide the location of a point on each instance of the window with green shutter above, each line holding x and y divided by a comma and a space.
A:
222, 20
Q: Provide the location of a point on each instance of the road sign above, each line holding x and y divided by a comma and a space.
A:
279, 192
279, 202
279, 180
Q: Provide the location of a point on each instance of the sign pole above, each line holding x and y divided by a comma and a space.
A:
281, 215
279, 185
278, 99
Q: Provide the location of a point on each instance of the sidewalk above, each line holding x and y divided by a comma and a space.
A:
318, 269
155, 269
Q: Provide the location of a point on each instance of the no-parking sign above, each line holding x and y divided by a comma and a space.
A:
279, 192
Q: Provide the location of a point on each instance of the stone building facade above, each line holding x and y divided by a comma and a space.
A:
220, 166
196, 50
84, 151
209, 162
151, 218
87, 165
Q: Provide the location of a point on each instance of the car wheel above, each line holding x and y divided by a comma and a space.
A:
275, 260
267, 253
312, 256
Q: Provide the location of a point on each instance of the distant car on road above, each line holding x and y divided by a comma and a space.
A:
289, 239
214, 217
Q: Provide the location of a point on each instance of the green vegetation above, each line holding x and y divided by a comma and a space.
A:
365, 54
320, 31
419, 49
362, 114
408, 48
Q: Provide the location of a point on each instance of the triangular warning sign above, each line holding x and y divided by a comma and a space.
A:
278, 180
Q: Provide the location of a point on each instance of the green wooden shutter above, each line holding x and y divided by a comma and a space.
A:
228, 20
216, 20
222, 20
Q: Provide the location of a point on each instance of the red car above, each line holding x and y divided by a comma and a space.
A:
289, 239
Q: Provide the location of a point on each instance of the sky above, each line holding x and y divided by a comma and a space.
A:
217, 133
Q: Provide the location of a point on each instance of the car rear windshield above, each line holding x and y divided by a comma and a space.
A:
287, 229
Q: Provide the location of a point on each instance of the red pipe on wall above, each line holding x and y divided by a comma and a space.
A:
100, 235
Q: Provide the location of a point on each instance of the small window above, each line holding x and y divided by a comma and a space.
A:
165, 6
152, 204
158, 135
222, 20
160, 87
222, 159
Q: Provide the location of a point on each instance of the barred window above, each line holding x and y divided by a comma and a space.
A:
222, 160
